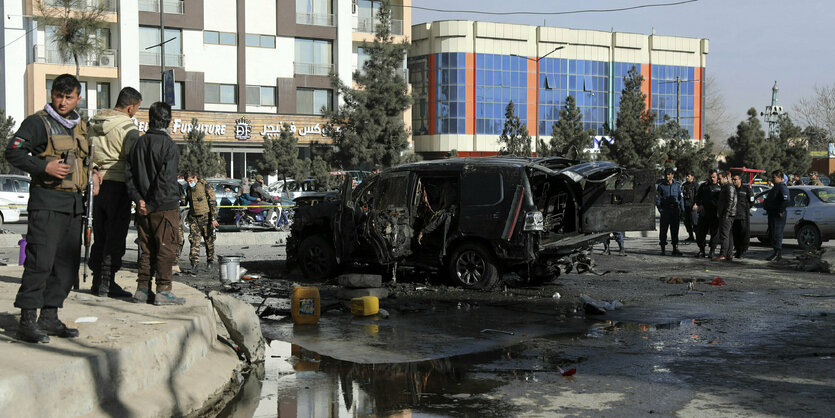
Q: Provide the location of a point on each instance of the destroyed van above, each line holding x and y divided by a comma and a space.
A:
472, 219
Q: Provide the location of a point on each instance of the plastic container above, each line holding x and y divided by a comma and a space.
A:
229, 267
365, 306
305, 305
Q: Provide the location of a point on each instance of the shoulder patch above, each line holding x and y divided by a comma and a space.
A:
17, 142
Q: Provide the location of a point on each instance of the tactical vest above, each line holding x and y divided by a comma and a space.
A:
199, 198
71, 149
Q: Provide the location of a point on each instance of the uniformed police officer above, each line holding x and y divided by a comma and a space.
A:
688, 190
51, 145
202, 219
706, 197
742, 221
670, 203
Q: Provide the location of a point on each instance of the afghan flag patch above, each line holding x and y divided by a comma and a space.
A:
17, 142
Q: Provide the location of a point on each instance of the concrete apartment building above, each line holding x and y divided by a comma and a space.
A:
242, 67
465, 72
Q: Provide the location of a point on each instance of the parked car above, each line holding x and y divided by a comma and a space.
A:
473, 218
758, 188
14, 197
222, 197
810, 217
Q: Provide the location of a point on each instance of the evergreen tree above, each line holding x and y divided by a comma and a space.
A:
198, 156
514, 138
76, 24
682, 154
281, 156
635, 139
790, 148
372, 132
6, 133
568, 138
322, 177
749, 145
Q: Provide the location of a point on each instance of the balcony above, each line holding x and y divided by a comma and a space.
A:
105, 58
170, 6
108, 6
153, 58
310, 68
315, 19
368, 24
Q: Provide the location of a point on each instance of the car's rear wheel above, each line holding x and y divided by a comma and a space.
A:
473, 266
808, 237
317, 258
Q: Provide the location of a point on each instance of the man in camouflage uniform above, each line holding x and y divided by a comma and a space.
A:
202, 219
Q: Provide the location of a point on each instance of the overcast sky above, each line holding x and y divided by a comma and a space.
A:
752, 42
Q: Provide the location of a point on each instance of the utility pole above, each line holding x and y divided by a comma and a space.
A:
161, 49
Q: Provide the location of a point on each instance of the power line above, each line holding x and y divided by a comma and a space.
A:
568, 12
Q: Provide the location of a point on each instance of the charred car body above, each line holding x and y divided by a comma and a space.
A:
473, 218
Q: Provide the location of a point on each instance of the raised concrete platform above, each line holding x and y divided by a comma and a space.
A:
133, 361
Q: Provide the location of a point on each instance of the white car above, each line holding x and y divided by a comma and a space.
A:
810, 216
14, 197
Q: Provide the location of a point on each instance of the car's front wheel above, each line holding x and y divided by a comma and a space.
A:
317, 258
808, 237
473, 266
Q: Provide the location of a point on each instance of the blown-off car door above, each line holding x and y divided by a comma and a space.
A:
615, 199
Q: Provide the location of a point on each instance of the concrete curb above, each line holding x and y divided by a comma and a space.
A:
134, 360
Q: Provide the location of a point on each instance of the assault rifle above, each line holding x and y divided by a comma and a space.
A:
88, 217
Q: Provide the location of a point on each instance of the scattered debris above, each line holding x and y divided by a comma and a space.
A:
717, 281
673, 280
152, 322
597, 307
86, 319
556, 296
358, 281
251, 276
570, 372
242, 324
815, 260
486, 330
383, 313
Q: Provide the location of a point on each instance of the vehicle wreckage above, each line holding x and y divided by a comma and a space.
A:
473, 218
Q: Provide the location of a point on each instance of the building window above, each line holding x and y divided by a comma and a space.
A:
367, 17
151, 91
149, 37
314, 12
219, 38
362, 57
103, 95
260, 41
418, 72
314, 57
170, 6
260, 96
220, 93
311, 101
673, 93
587, 81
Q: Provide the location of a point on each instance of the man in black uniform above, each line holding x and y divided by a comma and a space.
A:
706, 197
688, 190
726, 213
51, 145
669, 202
741, 228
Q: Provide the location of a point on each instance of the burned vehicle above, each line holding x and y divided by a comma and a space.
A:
472, 218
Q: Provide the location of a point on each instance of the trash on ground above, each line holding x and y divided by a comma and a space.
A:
384, 313
598, 307
717, 281
86, 319
674, 280
365, 306
486, 330
570, 372
556, 296
251, 276
152, 322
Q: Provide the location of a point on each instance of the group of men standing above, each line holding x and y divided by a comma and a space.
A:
53, 146
719, 207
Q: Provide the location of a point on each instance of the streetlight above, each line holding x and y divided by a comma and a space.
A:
536, 117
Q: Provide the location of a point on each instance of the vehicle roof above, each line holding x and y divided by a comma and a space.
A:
18, 176
459, 163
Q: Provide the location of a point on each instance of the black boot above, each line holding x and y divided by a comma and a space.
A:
50, 323
28, 330
663, 250
775, 256
116, 291
701, 253
676, 252
712, 253
101, 287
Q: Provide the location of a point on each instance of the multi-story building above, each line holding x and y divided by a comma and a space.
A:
241, 67
465, 73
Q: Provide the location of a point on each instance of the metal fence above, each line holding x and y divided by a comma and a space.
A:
105, 58
368, 25
310, 68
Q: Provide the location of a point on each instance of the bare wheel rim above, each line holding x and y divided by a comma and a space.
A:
807, 237
314, 260
470, 267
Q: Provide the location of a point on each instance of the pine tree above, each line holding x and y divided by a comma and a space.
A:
281, 156
372, 132
568, 138
682, 154
322, 177
514, 138
635, 139
790, 148
6, 133
76, 23
749, 146
198, 156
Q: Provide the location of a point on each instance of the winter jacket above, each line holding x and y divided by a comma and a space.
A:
777, 199
744, 199
113, 133
669, 196
706, 197
688, 190
151, 171
726, 206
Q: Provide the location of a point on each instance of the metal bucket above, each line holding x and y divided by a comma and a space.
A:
229, 268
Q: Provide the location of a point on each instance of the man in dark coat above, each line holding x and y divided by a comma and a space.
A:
670, 204
688, 191
775, 205
706, 197
726, 212
742, 224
